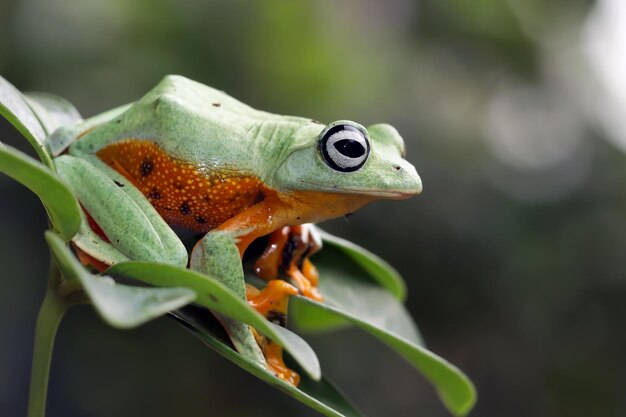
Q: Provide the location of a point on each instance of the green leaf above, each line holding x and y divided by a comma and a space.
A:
351, 295
376, 267
217, 297
14, 108
320, 395
91, 243
121, 306
60, 203
311, 319
52, 111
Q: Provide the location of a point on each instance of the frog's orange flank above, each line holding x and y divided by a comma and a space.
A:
182, 195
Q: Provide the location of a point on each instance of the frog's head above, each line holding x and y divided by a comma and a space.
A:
346, 158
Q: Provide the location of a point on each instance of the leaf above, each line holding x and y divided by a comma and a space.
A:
216, 296
121, 306
60, 203
350, 294
52, 111
311, 319
61, 139
91, 243
18, 113
320, 395
376, 267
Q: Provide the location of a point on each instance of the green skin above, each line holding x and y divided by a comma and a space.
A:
205, 127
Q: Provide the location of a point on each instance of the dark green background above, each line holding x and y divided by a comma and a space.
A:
513, 255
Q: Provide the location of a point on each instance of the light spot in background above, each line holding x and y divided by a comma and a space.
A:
530, 128
604, 46
541, 186
536, 135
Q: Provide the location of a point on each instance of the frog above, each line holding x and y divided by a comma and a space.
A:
188, 156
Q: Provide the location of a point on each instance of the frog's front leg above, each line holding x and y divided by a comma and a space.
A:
289, 248
218, 255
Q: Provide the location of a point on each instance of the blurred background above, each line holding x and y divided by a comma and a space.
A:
514, 113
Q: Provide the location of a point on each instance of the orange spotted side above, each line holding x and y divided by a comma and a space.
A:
183, 195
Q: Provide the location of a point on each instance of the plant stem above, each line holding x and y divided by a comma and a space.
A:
48, 320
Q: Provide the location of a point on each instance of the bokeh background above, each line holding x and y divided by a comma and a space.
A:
514, 113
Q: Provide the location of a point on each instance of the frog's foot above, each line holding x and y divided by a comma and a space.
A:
274, 358
272, 302
289, 249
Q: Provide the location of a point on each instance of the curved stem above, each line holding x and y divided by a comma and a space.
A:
48, 320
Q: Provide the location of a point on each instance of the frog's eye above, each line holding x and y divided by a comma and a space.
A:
344, 147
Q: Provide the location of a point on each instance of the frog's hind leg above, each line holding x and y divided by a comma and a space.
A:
289, 249
272, 302
132, 227
218, 255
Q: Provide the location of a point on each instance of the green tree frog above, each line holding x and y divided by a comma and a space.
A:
191, 156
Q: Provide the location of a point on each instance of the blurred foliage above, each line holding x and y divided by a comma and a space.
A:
512, 254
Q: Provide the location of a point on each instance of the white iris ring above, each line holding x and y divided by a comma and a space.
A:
341, 160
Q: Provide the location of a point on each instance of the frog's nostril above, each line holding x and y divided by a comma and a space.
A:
397, 167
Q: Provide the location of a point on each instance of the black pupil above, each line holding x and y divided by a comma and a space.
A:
350, 148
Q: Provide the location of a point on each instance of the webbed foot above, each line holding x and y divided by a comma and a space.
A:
289, 249
274, 359
272, 301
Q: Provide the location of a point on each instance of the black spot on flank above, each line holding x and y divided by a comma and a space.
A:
119, 184
200, 220
216, 104
259, 197
118, 121
154, 194
146, 167
213, 298
277, 317
185, 209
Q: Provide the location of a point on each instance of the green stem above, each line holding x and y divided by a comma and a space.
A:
50, 316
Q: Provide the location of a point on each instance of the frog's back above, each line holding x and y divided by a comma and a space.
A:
199, 125
197, 154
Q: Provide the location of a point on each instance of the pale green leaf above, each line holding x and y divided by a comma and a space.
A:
14, 108
352, 295
121, 306
377, 268
52, 111
217, 297
60, 203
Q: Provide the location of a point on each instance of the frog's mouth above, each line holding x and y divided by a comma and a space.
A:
388, 194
